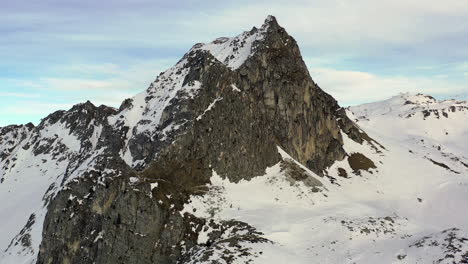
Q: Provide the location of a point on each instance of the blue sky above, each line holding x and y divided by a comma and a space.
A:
57, 53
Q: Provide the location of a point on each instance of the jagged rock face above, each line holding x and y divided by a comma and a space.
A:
259, 76
300, 116
225, 106
109, 216
11, 137
269, 100
36, 164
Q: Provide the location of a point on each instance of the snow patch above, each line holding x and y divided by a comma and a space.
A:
235, 89
209, 108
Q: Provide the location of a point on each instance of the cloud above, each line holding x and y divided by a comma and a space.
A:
81, 84
355, 24
36, 108
363, 50
22, 95
105, 83
21, 112
463, 68
355, 87
322, 24
96, 78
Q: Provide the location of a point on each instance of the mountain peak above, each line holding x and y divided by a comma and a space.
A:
234, 51
270, 22
270, 18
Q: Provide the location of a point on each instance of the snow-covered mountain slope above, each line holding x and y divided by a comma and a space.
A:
36, 163
435, 129
408, 209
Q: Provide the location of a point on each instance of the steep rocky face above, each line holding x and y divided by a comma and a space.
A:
11, 137
121, 177
110, 216
300, 116
259, 75
270, 100
36, 163
116, 216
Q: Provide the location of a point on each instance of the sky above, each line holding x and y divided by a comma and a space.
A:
57, 53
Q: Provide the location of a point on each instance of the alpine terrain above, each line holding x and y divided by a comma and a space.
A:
235, 155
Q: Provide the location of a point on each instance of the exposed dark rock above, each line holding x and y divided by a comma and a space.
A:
451, 242
113, 218
279, 105
11, 137
229, 240
295, 173
24, 238
357, 162
443, 165
127, 103
342, 172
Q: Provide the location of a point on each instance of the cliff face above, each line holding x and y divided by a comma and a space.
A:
240, 115
226, 106
110, 216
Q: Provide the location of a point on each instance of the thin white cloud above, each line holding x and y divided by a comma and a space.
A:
35, 108
355, 24
355, 87
320, 23
116, 83
463, 67
99, 77
21, 95
81, 68
81, 84
337, 30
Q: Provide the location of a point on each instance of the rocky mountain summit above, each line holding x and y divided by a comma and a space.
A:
233, 155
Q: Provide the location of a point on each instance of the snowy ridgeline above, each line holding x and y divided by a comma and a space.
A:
32, 172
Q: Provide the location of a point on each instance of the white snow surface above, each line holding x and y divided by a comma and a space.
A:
209, 107
145, 114
403, 211
402, 118
234, 51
